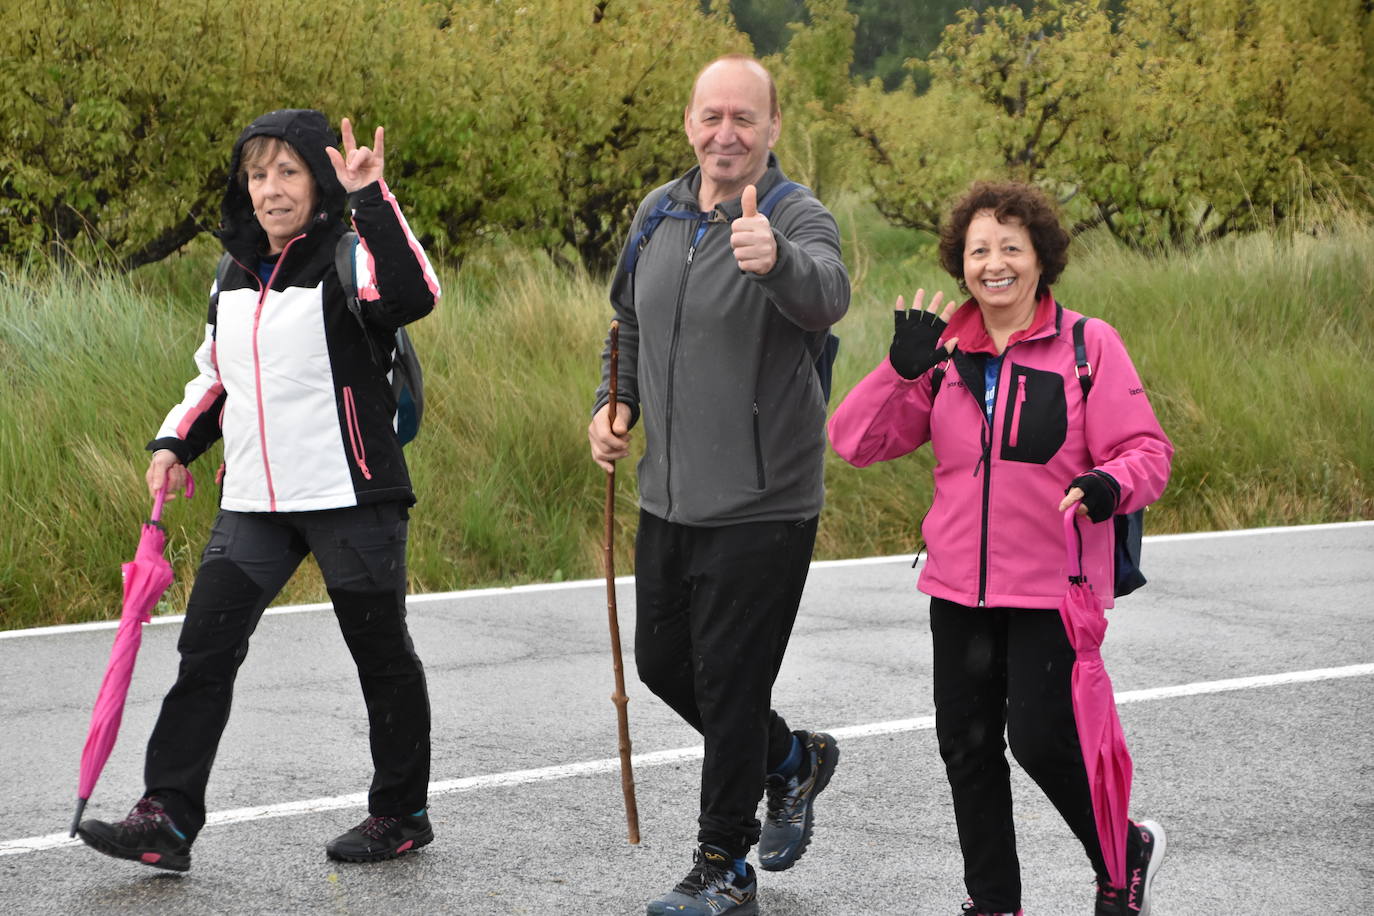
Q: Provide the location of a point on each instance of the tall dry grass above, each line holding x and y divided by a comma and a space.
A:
1254, 350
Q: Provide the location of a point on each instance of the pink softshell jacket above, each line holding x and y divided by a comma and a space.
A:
994, 535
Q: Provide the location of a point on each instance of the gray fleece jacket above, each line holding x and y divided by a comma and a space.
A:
719, 363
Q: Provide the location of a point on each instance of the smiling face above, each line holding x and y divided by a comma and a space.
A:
1001, 269
731, 126
282, 191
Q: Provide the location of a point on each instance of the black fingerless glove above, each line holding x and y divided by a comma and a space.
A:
1101, 494
915, 342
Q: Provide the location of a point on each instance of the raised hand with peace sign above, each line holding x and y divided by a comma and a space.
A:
751, 236
357, 167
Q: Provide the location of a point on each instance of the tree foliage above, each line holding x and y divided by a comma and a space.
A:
544, 120
1168, 121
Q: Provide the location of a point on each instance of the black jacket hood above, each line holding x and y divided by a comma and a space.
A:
308, 132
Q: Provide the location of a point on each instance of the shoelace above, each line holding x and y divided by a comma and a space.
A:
703, 876
784, 799
374, 827
147, 815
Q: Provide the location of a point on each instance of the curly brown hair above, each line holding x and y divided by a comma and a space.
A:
1007, 200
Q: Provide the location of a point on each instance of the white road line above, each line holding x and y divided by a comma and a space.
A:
679, 755
433, 597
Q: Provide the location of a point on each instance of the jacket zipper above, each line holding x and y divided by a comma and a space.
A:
698, 232
265, 288
985, 466
758, 451
355, 433
1016, 411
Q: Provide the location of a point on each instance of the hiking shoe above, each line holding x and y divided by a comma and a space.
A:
791, 802
1134, 898
711, 888
147, 835
380, 838
970, 910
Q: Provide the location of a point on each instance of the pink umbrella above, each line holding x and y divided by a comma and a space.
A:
1094, 709
146, 577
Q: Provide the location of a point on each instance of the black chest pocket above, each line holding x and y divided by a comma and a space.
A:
1034, 416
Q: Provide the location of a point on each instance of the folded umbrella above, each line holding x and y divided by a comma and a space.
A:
1094, 709
146, 577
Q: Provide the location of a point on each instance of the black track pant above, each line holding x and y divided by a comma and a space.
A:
250, 556
714, 610
996, 669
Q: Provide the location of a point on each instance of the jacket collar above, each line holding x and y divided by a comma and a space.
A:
967, 325
684, 191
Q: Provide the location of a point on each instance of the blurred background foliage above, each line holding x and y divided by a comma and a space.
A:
1213, 156
542, 122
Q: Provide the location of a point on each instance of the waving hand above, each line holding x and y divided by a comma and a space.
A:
358, 166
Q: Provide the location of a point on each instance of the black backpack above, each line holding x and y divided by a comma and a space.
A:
1130, 526
667, 208
403, 366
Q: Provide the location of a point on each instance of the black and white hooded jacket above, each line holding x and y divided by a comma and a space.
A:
286, 375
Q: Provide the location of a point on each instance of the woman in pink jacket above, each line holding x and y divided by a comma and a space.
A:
992, 385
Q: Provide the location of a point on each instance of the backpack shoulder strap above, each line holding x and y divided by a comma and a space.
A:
666, 207
1082, 368
775, 196
345, 265
345, 253
222, 271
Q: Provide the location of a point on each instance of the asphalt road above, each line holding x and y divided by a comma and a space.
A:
1265, 783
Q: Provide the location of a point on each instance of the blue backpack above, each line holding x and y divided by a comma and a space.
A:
667, 208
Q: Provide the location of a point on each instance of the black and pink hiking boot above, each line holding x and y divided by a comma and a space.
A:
379, 838
147, 835
1145, 854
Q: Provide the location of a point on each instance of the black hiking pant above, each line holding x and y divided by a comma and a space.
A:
249, 558
714, 610
996, 670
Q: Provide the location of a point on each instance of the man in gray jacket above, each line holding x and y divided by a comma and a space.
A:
723, 312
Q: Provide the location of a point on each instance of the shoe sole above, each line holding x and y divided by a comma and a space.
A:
749, 909
163, 860
1156, 862
825, 768
383, 855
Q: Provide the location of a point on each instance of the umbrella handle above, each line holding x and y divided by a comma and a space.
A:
162, 496
1073, 543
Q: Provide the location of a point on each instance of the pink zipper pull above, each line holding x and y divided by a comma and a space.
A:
355, 433
1016, 411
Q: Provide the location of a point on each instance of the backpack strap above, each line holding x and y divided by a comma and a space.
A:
1082, 368
222, 271
666, 208
345, 265
775, 196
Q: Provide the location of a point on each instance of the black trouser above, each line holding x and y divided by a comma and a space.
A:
250, 556
996, 669
714, 609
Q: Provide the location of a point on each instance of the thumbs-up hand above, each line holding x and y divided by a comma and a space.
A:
751, 236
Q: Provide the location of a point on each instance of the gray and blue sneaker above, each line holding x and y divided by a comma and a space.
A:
147, 835
791, 803
711, 888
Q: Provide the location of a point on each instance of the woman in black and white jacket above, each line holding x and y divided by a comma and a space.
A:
312, 465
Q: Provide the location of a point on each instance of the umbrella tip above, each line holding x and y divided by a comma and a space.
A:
76, 818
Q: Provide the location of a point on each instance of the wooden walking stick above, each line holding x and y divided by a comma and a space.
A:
627, 776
